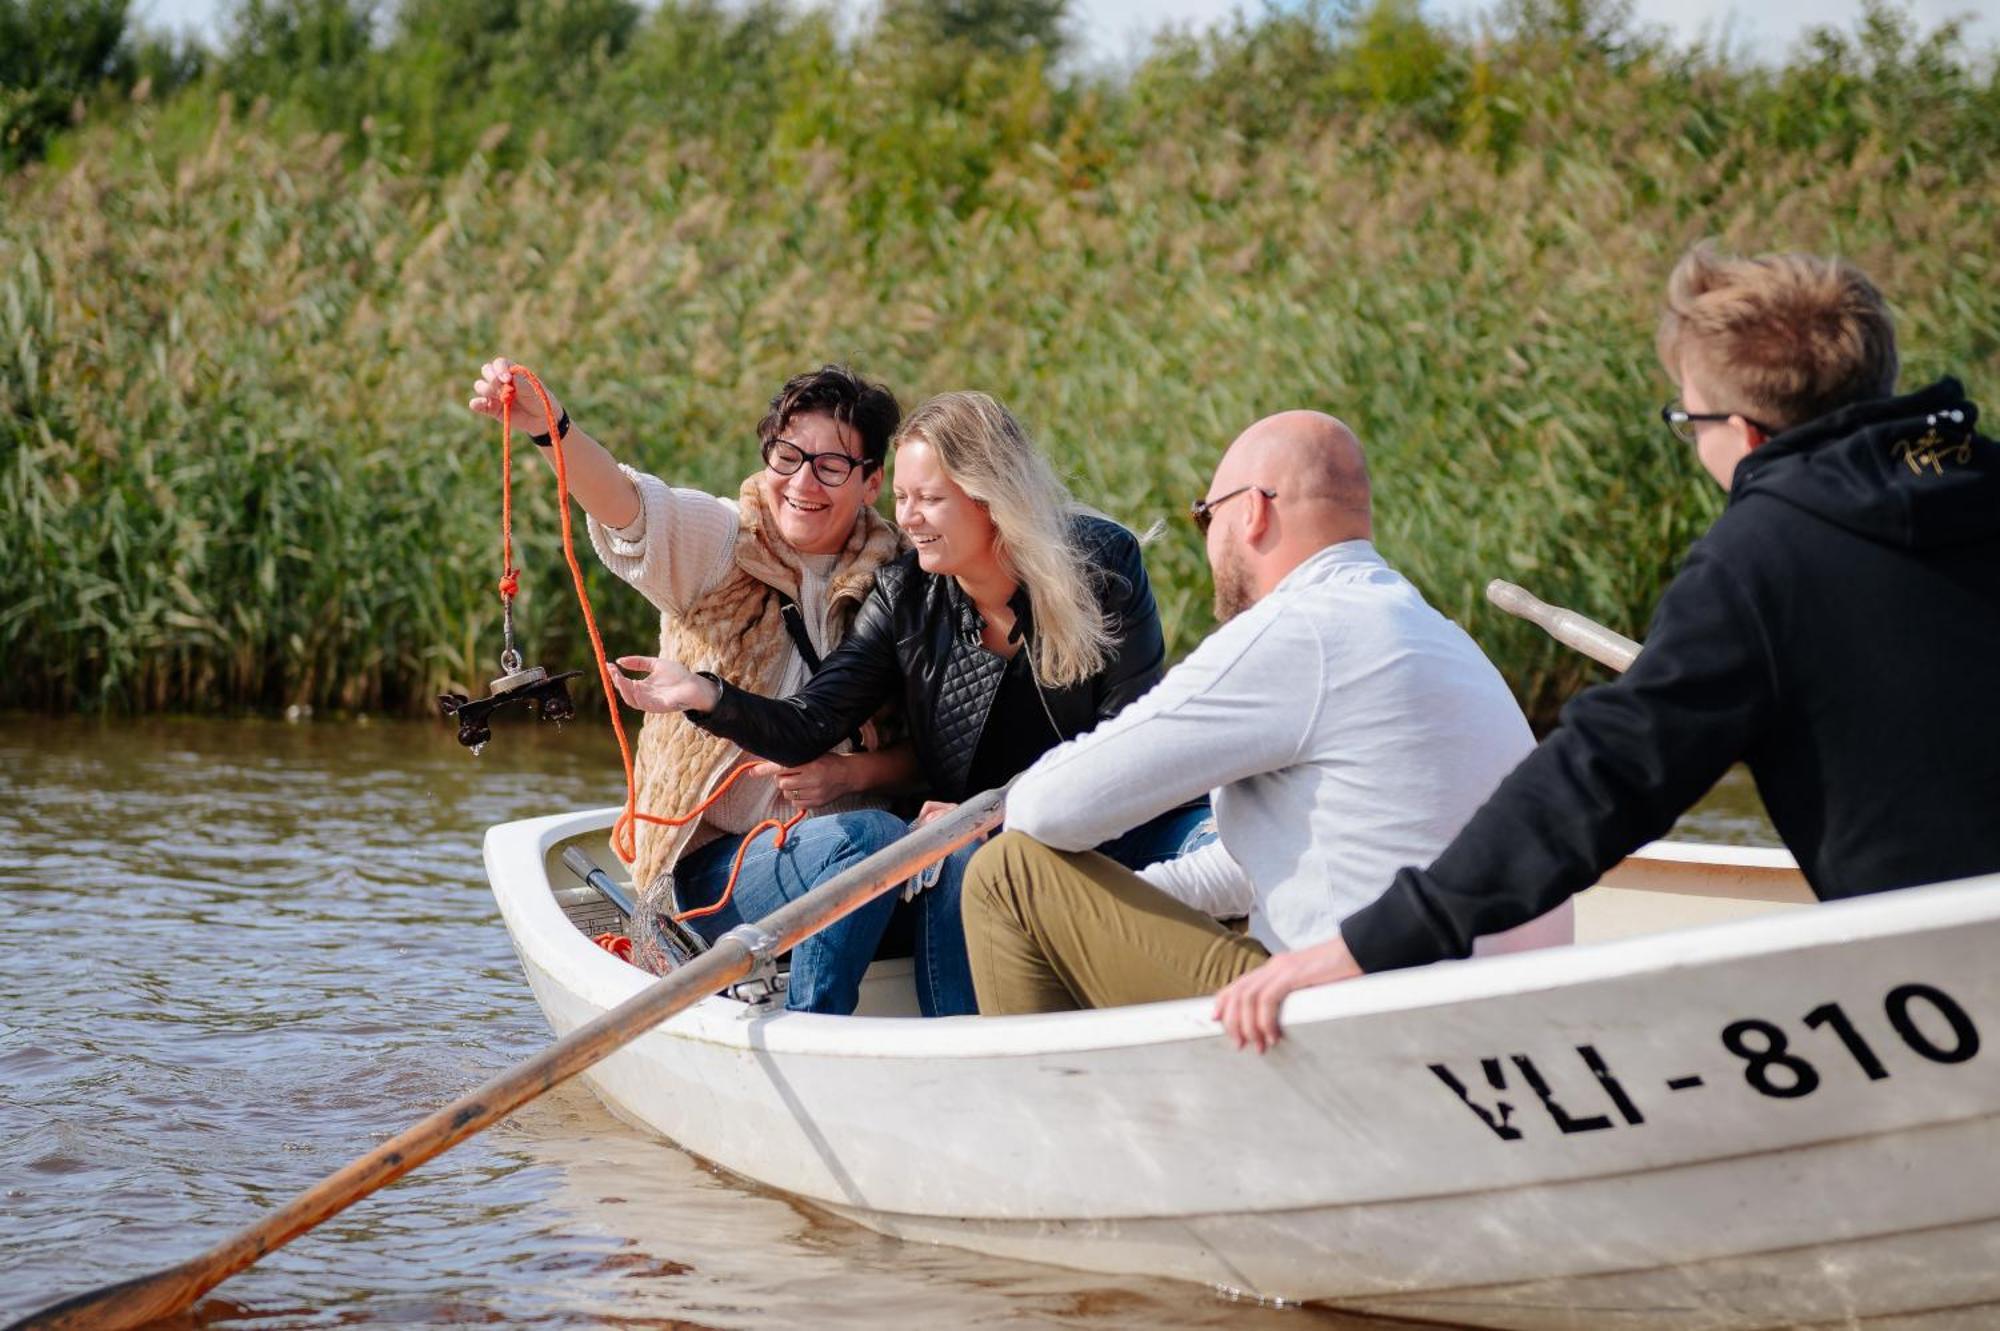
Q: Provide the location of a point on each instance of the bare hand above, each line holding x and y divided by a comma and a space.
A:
812, 786
664, 686
495, 386
932, 809
935, 809
1248, 1007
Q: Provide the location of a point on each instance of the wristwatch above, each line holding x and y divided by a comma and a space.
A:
562, 429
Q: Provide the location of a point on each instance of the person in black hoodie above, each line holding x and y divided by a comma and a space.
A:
1829, 631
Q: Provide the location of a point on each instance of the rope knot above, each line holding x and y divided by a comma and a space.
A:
510, 583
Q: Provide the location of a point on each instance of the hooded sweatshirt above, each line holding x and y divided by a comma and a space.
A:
1833, 630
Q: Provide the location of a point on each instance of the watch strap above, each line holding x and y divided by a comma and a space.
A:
562, 429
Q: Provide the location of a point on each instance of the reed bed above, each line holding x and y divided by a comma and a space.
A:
236, 469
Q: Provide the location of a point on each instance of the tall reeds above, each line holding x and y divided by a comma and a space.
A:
236, 468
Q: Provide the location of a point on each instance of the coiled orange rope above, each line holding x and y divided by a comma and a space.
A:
624, 835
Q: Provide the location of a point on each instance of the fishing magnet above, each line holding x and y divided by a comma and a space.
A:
532, 687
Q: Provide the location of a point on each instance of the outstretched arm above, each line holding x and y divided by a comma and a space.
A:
671, 544
1211, 721
652, 684
860, 675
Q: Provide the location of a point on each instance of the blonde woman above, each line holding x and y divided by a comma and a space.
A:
1016, 621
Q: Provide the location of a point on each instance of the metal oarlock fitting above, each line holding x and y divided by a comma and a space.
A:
765, 985
762, 947
532, 687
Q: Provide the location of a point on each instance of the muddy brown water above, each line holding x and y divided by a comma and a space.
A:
240, 953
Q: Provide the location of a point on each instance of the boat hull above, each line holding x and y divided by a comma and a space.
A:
1759, 1123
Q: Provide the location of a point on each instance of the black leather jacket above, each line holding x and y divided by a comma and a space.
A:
917, 633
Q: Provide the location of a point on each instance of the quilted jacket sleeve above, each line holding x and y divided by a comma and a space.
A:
860, 675
1139, 650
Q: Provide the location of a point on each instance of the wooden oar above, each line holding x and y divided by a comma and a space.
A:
1595, 641
136, 1302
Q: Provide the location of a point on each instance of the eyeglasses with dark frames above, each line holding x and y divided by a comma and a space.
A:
785, 457
1681, 422
1202, 509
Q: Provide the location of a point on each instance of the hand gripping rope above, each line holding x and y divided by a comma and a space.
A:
533, 684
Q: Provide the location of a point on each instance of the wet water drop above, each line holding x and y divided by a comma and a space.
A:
479, 748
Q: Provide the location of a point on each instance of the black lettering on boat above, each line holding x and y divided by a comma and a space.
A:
1964, 1035
1773, 1051
1563, 1119
1502, 1110
1612, 1088
1833, 1016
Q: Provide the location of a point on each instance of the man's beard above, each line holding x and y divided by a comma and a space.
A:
1232, 586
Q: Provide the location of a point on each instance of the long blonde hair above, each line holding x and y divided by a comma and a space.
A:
986, 452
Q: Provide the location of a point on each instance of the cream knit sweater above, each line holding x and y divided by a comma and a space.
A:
680, 548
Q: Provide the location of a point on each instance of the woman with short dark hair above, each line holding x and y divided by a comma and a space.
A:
761, 586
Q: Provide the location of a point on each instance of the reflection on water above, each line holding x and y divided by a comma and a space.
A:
240, 953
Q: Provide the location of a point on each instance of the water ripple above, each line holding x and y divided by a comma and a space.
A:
240, 953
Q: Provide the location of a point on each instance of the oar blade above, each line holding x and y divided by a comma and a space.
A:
139, 1301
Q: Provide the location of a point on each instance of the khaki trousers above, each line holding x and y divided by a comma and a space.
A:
1052, 931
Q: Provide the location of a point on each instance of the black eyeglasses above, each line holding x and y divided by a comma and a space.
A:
1202, 509
1681, 421
785, 457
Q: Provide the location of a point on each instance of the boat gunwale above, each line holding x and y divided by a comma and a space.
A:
539, 927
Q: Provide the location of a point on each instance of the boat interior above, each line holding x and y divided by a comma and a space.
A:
1666, 885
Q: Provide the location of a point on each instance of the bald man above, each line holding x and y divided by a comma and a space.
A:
1344, 727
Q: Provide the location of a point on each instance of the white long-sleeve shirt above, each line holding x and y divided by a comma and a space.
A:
1345, 728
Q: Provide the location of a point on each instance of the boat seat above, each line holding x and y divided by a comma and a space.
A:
589, 911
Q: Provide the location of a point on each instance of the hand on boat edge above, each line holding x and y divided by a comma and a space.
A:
1248, 1006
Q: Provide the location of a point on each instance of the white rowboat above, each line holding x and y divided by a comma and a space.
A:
1715, 1111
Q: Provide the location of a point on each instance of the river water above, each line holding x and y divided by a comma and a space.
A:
240, 953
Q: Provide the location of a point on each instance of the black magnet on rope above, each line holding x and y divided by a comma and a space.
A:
534, 688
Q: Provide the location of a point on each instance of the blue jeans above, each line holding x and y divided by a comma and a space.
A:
944, 975
827, 967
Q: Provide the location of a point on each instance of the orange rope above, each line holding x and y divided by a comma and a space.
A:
624, 834
510, 577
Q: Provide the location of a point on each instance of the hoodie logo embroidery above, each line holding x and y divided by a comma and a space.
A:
1933, 450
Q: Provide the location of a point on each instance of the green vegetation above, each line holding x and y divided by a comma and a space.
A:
238, 323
